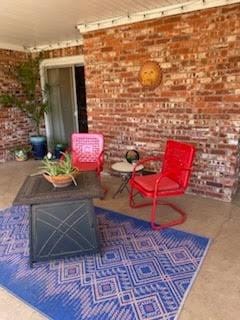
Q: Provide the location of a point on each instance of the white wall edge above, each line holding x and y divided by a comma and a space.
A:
62, 61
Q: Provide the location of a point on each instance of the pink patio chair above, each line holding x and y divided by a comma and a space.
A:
87, 151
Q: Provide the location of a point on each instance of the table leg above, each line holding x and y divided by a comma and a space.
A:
123, 185
30, 238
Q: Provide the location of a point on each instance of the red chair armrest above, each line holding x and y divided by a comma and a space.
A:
186, 168
100, 161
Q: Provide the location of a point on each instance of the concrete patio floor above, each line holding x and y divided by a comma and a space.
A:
215, 294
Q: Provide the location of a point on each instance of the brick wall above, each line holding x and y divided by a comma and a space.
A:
15, 127
63, 52
197, 102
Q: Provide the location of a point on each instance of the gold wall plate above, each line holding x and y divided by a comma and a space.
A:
150, 75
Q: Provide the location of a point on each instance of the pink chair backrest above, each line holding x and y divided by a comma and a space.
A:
86, 147
178, 156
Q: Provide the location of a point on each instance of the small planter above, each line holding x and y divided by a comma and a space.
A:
59, 149
61, 180
39, 146
21, 155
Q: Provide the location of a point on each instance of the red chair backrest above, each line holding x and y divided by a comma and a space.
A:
177, 158
86, 147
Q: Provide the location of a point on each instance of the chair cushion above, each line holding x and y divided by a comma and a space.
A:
86, 166
148, 183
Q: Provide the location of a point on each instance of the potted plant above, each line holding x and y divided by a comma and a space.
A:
60, 173
34, 104
59, 147
21, 152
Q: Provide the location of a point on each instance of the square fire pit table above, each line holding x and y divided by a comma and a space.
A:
62, 220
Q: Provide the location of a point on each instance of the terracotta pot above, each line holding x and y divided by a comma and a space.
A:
60, 181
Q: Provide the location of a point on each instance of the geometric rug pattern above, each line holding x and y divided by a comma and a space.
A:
140, 273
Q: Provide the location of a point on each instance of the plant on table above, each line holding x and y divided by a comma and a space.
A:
55, 171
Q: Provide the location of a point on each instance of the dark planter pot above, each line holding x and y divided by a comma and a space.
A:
39, 146
59, 148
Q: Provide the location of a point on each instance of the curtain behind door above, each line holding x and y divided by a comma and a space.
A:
62, 121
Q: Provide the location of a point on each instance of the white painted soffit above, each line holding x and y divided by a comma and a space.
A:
154, 14
57, 45
45, 47
9, 46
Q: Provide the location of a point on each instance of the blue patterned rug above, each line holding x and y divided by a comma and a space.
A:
142, 274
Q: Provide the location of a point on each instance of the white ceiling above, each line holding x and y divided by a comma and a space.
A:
31, 23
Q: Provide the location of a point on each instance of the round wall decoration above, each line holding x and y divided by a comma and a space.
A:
150, 75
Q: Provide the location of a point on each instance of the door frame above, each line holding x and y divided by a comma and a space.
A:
54, 63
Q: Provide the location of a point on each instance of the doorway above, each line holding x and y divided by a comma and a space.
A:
67, 97
81, 99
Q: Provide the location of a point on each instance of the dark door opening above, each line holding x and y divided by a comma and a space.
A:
81, 99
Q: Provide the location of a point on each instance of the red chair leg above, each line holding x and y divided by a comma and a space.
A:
132, 202
155, 203
131, 198
183, 217
105, 189
153, 213
105, 192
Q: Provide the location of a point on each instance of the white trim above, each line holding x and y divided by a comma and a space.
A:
154, 14
62, 61
57, 45
75, 116
51, 63
14, 47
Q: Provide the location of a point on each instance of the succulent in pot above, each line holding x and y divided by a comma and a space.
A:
21, 153
60, 173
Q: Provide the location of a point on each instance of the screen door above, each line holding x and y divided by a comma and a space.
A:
62, 120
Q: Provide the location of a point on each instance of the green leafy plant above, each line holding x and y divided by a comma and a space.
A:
60, 167
25, 148
34, 104
21, 152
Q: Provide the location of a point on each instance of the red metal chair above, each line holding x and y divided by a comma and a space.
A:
87, 151
171, 181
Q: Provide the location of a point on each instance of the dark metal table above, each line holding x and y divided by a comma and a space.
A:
125, 170
62, 220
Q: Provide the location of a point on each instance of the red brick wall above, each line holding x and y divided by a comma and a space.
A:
63, 52
197, 102
15, 127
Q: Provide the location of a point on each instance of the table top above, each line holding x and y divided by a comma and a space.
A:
126, 167
36, 190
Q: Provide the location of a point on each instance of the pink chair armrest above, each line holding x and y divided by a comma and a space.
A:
100, 162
